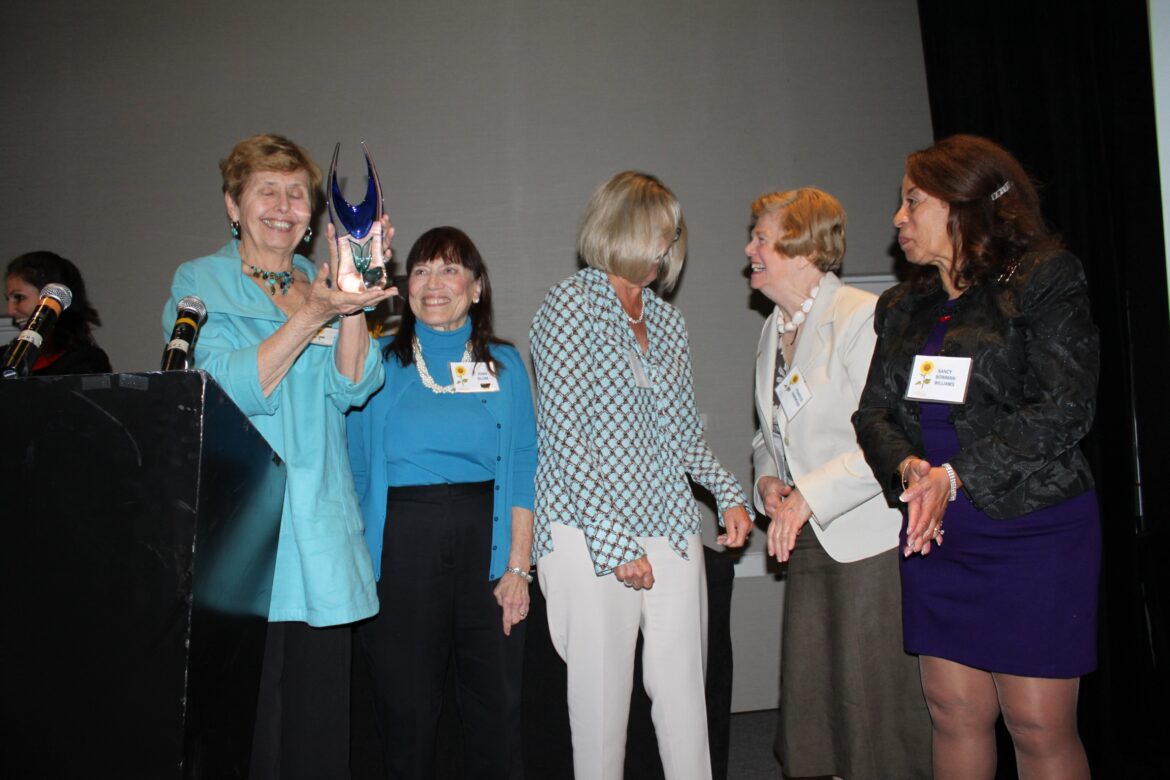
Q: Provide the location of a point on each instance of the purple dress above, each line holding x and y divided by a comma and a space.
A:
1016, 596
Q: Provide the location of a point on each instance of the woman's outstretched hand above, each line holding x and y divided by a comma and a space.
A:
328, 298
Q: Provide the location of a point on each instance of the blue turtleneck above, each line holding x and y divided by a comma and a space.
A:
436, 438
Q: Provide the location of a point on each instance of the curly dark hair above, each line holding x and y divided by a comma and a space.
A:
453, 246
73, 326
988, 235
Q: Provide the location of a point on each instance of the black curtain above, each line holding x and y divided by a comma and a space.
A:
1067, 87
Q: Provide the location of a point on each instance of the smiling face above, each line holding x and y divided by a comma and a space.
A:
774, 273
922, 227
273, 211
22, 299
441, 293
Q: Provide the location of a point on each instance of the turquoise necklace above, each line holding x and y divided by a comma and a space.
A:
273, 278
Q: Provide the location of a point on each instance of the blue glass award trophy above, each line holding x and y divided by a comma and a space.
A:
358, 230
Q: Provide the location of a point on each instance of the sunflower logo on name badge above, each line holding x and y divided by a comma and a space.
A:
926, 368
794, 379
459, 373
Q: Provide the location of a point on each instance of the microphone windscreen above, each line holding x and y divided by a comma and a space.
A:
60, 292
193, 304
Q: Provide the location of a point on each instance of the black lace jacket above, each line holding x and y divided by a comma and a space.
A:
1031, 396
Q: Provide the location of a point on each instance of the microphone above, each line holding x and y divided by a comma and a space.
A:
191, 314
55, 298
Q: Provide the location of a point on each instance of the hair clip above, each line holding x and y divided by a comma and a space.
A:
1008, 272
1003, 190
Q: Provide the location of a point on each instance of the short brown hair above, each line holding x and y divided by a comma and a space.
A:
625, 223
812, 225
267, 152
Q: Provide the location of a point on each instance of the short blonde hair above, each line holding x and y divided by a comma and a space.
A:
812, 225
625, 224
267, 152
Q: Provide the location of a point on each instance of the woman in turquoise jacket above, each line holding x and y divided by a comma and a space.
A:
444, 458
273, 342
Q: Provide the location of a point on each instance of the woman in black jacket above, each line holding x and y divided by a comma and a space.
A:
982, 385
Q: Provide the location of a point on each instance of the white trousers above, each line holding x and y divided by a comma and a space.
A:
594, 623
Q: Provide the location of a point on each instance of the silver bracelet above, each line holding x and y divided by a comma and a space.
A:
528, 577
953, 479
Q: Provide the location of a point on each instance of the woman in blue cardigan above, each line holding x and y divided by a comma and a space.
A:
444, 459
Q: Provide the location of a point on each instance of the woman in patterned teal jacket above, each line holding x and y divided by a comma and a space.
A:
619, 433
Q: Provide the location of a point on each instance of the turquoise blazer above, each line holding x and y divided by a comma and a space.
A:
323, 574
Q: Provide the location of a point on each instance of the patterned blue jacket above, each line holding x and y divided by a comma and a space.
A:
614, 457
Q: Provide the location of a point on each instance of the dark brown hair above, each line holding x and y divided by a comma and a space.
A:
73, 326
987, 234
452, 245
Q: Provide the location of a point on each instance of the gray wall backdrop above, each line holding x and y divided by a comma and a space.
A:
498, 117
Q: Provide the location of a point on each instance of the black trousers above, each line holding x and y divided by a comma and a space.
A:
437, 600
302, 716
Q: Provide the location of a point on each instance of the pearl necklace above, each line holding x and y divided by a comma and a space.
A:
425, 375
641, 316
801, 315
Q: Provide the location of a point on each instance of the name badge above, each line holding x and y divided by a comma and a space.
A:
940, 379
639, 370
793, 392
473, 378
325, 337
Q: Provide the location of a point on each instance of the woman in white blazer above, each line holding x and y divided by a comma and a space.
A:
851, 702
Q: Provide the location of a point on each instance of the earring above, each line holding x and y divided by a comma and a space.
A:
474, 301
308, 236
235, 226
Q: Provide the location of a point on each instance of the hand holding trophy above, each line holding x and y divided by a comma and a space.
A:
358, 231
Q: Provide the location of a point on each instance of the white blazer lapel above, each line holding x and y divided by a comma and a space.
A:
819, 326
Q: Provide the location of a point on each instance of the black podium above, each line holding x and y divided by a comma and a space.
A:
141, 514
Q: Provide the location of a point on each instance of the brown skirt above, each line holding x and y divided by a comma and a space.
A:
851, 699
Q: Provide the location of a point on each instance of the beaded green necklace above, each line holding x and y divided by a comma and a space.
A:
273, 278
